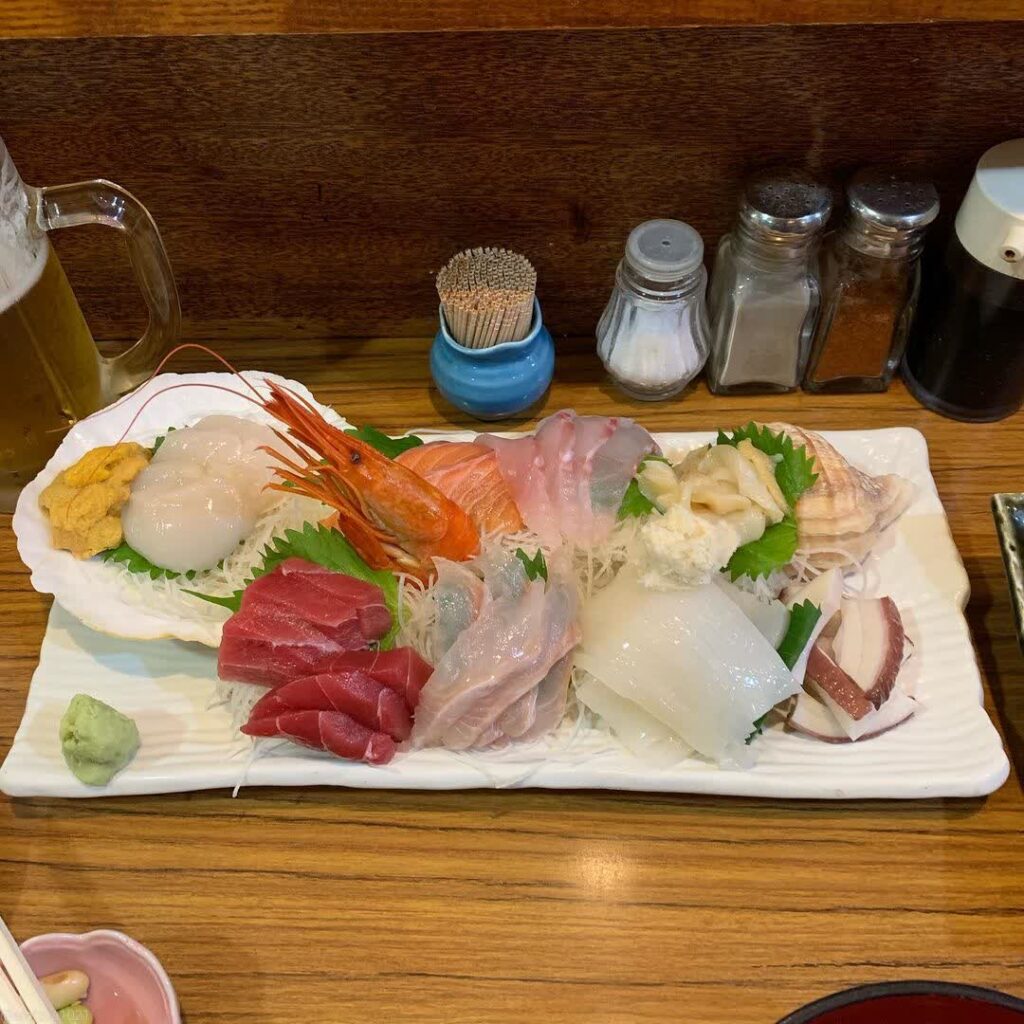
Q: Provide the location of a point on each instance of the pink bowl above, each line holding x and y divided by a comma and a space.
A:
127, 983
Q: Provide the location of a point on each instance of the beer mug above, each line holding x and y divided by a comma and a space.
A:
51, 373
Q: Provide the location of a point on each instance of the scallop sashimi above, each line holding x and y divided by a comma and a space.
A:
201, 493
468, 474
570, 477
690, 658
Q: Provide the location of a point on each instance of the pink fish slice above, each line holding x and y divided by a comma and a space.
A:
370, 703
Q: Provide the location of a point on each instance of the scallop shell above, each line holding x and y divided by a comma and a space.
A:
93, 590
841, 518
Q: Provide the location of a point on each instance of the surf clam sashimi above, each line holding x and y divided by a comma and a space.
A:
688, 657
201, 494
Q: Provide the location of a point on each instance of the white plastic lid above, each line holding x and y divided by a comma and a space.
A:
990, 224
664, 250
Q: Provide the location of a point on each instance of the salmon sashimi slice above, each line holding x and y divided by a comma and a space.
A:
333, 731
468, 474
354, 693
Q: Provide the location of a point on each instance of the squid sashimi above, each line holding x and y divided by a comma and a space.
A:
332, 731
370, 703
689, 658
468, 474
569, 478
510, 648
639, 732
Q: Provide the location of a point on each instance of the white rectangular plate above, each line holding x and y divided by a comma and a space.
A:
949, 748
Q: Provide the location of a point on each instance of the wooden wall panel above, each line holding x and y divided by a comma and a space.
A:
313, 184
48, 18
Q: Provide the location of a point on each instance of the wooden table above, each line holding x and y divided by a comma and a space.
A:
334, 906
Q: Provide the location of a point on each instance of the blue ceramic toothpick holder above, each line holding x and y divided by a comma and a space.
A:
498, 382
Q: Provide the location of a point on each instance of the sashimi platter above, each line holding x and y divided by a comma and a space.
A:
251, 591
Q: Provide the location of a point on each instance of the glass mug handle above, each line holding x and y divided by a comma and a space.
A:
103, 202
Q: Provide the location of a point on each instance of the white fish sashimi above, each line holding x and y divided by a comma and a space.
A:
508, 650
640, 733
569, 478
690, 658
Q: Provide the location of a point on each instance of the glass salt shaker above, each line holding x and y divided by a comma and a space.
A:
653, 334
764, 298
870, 281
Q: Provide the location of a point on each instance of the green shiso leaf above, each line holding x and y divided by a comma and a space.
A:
803, 617
772, 550
634, 502
794, 470
536, 567
124, 554
794, 473
324, 546
392, 447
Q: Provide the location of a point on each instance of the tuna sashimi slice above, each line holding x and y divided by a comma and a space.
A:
369, 702
402, 669
332, 731
265, 645
352, 614
468, 473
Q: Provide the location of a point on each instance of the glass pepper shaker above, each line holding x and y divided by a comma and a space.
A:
653, 334
870, 280
765, 294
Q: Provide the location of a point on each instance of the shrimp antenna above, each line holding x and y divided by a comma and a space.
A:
187, 384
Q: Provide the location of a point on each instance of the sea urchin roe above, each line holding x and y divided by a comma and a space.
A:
83, 504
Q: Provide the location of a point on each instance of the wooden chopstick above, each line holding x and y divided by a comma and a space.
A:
12, 1009
24, 983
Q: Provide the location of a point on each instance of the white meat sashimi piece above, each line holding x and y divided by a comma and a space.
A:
770, 617
895, 711
568, 480
811, 717
552, 692
640, 733
825, 591
869, 645
690, 658
503, 655
458, 595
556, 445
522, 466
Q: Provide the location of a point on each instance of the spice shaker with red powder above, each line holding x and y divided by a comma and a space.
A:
870, 281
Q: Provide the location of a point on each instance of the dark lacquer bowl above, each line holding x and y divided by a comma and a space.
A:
912, 1002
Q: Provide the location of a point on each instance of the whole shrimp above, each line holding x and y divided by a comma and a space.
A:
394, 518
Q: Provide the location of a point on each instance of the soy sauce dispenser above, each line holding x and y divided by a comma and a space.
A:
966, 356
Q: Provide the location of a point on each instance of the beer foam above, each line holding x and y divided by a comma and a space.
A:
23, 247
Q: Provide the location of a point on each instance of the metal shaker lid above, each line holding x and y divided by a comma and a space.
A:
785, 201
892, 199
664, 250
990, 224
